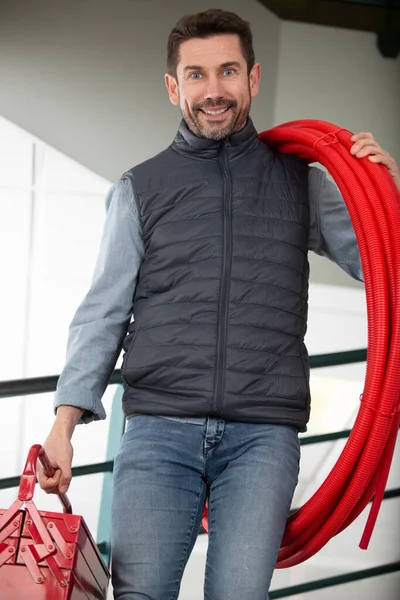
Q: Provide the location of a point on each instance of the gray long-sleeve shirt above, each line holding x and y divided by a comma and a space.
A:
101, 321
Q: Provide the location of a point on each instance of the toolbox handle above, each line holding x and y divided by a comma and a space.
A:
28, 477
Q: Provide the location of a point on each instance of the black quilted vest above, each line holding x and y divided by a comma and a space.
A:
220, 306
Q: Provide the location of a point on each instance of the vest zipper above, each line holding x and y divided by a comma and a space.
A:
223, 306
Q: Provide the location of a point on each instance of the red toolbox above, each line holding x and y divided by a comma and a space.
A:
47, 555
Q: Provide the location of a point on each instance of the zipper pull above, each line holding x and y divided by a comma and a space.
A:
227, 143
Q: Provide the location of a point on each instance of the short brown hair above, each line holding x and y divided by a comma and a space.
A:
204, 25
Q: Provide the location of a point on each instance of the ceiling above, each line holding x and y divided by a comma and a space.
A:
379, 16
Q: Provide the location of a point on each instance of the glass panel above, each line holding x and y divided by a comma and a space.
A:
15, 156
14, 250
58, 173
67, 235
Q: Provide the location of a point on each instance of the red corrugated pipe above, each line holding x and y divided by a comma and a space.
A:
360, 474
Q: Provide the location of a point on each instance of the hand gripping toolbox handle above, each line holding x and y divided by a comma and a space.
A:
28, 477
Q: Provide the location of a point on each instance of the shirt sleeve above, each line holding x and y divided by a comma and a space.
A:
331, 230
100, 324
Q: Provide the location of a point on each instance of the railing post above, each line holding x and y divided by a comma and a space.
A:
115, 432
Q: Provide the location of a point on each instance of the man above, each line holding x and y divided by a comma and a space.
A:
206, 245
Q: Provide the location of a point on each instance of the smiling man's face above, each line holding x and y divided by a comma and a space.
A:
213, 87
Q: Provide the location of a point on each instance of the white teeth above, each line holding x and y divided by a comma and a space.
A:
216, 112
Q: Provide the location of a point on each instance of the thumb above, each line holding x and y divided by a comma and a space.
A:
65, 479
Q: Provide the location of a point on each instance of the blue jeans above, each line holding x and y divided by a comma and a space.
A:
163, 473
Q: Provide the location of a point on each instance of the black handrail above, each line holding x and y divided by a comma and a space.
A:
320, 584
104, 467
41, 385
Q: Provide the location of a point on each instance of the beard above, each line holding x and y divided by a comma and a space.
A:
215, 130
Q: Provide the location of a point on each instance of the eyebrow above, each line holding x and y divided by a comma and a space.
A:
232, 63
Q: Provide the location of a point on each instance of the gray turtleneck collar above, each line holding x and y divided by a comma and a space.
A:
186, 142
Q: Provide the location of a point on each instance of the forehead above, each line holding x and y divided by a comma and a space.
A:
211, 51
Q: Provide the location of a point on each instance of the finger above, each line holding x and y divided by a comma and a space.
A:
41, 475
388, 161
65, 478
60, 476
375, 150
64, 484
46, 474
51, 490
361, 135
363, 143
58, 483
50, 485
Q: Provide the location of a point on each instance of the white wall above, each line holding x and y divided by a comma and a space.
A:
339, 76
89, 79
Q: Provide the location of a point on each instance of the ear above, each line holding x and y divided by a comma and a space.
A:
254, 79
172, 87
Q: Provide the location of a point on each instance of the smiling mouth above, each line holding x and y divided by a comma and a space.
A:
215, 112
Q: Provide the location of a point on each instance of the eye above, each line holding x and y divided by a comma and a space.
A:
195, 75
229, 72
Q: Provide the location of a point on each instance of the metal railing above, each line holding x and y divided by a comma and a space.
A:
42, 385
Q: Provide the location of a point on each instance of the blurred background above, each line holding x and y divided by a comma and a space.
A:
82, 99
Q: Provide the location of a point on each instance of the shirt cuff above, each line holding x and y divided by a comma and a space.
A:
80, 398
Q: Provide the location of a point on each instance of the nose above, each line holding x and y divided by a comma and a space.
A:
214, 89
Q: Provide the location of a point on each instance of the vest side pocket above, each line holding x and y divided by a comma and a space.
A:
128, 343
304, 361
